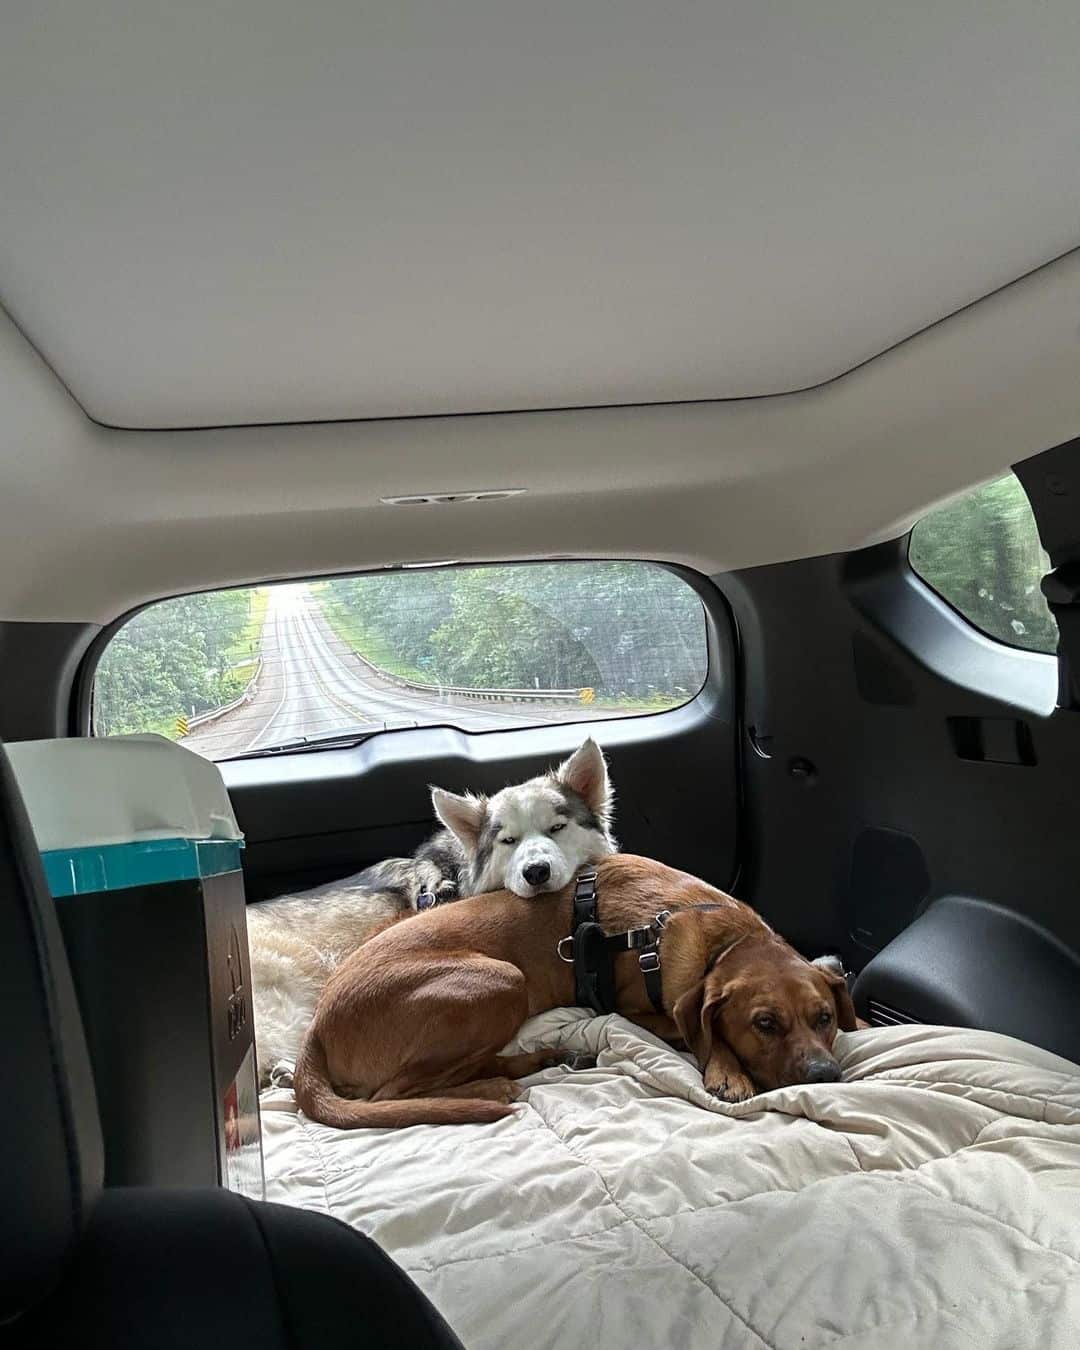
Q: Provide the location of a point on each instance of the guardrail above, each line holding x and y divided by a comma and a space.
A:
480, 695
249, 691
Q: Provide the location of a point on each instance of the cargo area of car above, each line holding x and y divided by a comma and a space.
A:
400, 401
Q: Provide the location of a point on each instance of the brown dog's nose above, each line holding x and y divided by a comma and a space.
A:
822, 1071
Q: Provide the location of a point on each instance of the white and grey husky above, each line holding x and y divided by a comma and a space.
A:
530, 839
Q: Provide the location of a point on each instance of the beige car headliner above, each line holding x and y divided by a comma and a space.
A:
96, 521
373, 221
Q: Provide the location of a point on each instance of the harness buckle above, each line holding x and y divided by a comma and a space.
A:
559, 949
649, 961
585, 884
662, 918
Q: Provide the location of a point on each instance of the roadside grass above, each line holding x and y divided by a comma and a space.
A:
359, 637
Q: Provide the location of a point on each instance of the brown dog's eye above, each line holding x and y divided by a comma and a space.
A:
825, 1018
765, 1022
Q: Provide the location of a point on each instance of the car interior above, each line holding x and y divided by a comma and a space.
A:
394, 397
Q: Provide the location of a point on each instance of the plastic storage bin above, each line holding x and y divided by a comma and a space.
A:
141, 851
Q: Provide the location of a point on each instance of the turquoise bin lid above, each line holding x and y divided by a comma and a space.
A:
150, 862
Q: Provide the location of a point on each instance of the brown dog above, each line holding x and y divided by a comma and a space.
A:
412, 1023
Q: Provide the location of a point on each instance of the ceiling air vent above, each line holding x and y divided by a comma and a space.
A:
881, 1015
448, 498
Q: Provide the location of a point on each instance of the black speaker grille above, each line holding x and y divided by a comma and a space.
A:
881, 1015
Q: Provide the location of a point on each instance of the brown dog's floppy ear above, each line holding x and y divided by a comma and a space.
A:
462, 816
691, 1014
845, 1009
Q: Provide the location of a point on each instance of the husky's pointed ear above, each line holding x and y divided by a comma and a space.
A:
585, 773
462, 816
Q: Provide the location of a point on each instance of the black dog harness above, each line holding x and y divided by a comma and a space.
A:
592, 951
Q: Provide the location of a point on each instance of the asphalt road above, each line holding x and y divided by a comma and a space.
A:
312, 685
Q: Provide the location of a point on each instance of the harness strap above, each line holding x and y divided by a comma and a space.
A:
594, 974
649, 962
585, 901
593, 950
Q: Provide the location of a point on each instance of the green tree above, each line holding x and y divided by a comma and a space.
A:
982, 553
497, 637
629, 630
169, 659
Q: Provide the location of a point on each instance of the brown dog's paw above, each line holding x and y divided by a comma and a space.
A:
733, 1087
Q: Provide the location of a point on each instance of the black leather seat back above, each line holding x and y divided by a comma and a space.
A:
50, 1137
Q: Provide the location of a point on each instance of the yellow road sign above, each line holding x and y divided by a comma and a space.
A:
587, 695
181, 726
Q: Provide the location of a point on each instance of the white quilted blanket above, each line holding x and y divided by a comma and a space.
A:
932, 1199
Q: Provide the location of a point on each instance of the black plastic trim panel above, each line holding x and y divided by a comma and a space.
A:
968, 963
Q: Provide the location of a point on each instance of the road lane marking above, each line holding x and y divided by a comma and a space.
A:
284, 684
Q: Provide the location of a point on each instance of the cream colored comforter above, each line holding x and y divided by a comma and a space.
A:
932, 1199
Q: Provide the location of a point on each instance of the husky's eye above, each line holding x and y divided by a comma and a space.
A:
508, 840
559, 825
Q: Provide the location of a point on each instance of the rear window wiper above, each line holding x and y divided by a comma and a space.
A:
300, 744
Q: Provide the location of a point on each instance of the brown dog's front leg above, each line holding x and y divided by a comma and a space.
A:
725, 1078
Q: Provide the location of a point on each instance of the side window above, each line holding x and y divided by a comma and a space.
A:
481, 648
981, 553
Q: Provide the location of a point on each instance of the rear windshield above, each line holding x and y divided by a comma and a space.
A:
267, 668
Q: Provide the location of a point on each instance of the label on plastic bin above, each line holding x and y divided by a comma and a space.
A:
242, 1160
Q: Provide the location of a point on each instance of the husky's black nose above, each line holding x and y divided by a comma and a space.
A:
536, 873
